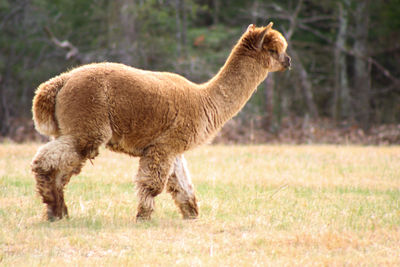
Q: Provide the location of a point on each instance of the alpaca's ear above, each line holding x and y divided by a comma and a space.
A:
260, 39
264, 32
250, 28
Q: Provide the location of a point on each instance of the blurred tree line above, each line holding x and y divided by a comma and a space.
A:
345, 53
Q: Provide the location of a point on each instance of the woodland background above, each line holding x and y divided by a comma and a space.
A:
344, 86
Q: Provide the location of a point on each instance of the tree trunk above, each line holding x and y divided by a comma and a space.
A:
254, 11
269, 101
184, 28
362, 71
341, 98
298, 66
216, 5
127, 21
178, 28
181, 27
4, 104
305, 83
122, 34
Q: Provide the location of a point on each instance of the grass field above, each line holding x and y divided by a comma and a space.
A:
259, 206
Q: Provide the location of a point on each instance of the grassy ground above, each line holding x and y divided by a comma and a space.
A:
260, 205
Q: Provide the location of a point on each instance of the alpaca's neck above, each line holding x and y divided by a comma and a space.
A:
234, 84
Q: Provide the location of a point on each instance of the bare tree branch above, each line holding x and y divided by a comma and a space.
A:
293, 20
384, 70
72, 51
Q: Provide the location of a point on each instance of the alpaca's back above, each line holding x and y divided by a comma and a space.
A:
134, 108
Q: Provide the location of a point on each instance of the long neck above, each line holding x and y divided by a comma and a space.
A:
234, 84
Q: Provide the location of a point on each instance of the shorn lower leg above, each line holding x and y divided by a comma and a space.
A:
181, 188
154, 170
53, 166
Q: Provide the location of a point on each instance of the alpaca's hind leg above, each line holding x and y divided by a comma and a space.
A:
154, 169
52, 195
53, 166
181, 188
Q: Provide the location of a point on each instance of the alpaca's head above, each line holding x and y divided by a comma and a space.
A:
266, 45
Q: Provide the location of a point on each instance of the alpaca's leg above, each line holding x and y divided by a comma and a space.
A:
181, 188
53, 166
154, 169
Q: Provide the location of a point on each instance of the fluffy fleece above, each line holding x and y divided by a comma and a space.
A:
156, 116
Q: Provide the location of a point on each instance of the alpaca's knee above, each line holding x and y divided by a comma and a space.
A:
46, 159
56, 162
58, 155
152, 175
148, 186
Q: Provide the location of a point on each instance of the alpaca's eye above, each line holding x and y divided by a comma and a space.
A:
272, 51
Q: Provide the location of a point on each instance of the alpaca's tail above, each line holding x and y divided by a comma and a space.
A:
44, 105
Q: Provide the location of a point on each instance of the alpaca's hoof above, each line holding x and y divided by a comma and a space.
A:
54, 214
141, 218
190, 210
50, 216
190, 217
143, 215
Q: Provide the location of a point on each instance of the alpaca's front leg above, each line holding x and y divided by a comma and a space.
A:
181, 188
154, 170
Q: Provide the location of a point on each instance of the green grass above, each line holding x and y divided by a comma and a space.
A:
259, 206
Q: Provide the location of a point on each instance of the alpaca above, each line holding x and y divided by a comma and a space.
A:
156, 116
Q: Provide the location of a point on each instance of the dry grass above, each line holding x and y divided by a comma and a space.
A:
260, 206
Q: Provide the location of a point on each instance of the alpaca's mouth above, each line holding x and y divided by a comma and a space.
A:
286, 67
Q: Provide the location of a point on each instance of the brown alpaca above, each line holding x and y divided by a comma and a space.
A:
156, 116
